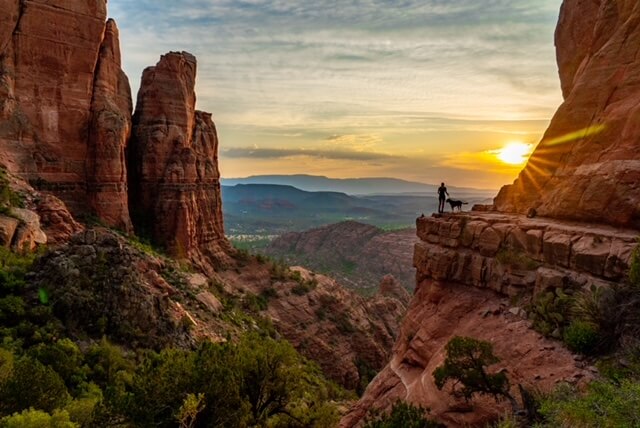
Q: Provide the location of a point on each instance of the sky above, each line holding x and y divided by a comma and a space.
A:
423, 90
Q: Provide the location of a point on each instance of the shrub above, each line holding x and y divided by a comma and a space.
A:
516, 260
301, 289
604, 405
33, 385
634, 268
465, 363
38, 419
550, 311
403, 415
581, 337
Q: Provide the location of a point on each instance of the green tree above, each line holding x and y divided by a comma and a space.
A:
159, 387
270, 373
33, 384
403, 415
465, 364
38, 419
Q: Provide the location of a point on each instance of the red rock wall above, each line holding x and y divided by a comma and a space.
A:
472, 271
173, 163
109, 132
64, 103
595, 175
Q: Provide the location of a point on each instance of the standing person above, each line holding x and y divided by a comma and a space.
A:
442, 191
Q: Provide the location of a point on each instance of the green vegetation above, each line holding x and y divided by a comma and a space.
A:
47, 380
581, 337
516, 260
605, 404
604, 322
465, 364
8, 197
550, 310
402, 415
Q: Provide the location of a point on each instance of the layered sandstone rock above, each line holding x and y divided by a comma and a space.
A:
471, 270
357, 255
65, 103
173, 165
109, 132
587, 166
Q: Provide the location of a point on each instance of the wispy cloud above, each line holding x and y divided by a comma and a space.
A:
263, 153
355, 68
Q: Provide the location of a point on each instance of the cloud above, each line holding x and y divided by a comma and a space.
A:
288, 73
265, 153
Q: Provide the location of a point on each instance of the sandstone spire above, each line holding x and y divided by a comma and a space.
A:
173, 164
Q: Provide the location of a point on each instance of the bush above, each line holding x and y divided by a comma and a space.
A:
550, 311
605, 405
33, 385
516, 260
38, 419
634, 268
403, 415
581, 337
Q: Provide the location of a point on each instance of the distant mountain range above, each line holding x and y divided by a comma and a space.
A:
265, 209
355, 186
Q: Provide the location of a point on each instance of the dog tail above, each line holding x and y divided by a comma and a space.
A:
465, 203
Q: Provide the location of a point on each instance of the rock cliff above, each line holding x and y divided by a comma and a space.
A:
349, 336
65, 104
357, 255
173, 164
65, 124
476, 274
587, 166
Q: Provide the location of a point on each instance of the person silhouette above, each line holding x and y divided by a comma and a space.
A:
442, 191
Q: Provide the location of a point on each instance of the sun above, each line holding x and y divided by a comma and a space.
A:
515, 153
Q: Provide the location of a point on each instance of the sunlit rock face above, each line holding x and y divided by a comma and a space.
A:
587, 166
65, 104
173, 165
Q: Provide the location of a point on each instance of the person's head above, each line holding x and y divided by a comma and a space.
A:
442, 184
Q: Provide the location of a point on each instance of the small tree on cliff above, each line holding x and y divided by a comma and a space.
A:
465, 365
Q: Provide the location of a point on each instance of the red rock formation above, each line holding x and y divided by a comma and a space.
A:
109, 132
349, 336
173, 164
587, 166
469, 269
64, 103
357, 255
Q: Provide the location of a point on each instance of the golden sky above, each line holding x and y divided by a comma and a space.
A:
424, 90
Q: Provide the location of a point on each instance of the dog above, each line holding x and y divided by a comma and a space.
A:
454, 203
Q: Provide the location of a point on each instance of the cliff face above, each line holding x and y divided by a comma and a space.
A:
472, 269
587, 166
356, 254
59, 64
173, 163
65, 123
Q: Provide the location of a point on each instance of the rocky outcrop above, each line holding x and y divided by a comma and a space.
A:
173, 165
109, 132
350, 337
471, 270
65, 104
357, 255
587, 166
38, 219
